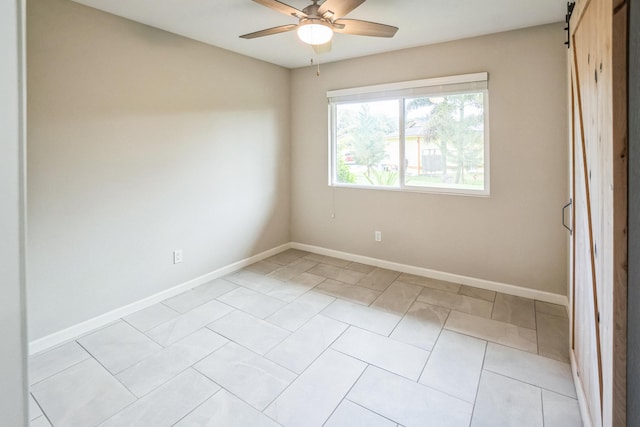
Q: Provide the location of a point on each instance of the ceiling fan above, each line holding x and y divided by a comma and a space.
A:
317, 22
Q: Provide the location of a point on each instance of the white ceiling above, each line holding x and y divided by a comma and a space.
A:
421, 22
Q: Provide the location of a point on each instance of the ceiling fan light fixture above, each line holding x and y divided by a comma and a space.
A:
314, 31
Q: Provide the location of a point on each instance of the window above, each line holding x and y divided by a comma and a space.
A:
426, 135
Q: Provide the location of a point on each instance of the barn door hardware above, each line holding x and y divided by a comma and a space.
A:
564, 208
567, 18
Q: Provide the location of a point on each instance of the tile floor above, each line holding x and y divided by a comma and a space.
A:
301, 339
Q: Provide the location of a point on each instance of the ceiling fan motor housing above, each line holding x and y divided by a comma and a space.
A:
318, 22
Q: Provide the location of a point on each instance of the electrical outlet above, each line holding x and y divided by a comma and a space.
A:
177, 256
378, 236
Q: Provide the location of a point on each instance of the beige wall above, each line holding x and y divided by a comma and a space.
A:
141, 142
514, 236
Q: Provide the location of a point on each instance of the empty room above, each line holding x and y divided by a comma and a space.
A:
319, 213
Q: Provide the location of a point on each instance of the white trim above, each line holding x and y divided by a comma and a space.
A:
582, 398
440, 275
436, 81
400, 92
417, 189
487, 144
82, 328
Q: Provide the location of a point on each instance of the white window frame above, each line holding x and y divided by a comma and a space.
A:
466, 83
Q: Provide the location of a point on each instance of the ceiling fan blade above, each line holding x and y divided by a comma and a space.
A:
278, 6
364, 28
338, 8
322, 48
270, 31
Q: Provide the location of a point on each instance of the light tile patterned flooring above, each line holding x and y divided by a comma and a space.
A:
301, 339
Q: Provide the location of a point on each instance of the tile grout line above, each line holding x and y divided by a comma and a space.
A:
65, 369
486, 318
169, 344
348, 391
289, 333
535, 323
369, 409
410, 380
145, 332
304, 323
180, 372
374, 365
495, 342
202, 403
357, 283
542, 406
430, 301
493, 306
263, 356
305, 369
531, 384
316, 358
413, 301
44, 414
291, 280
240, 398
435, 342
140, 398
114, 374
400, 321
475, 399
136, 398
402, 318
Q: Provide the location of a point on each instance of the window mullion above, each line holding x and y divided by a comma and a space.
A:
401, 132
333, 146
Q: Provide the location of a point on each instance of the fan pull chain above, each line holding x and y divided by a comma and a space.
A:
317, 63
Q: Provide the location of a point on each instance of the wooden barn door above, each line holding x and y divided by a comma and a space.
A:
598, 60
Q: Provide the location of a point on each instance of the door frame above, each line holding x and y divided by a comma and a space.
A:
13, 358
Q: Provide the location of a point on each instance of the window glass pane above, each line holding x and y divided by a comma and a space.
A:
444, 141
367, 144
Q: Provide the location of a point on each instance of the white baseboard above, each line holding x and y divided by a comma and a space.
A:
79, 329
440, 275
82, 328
582, 398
